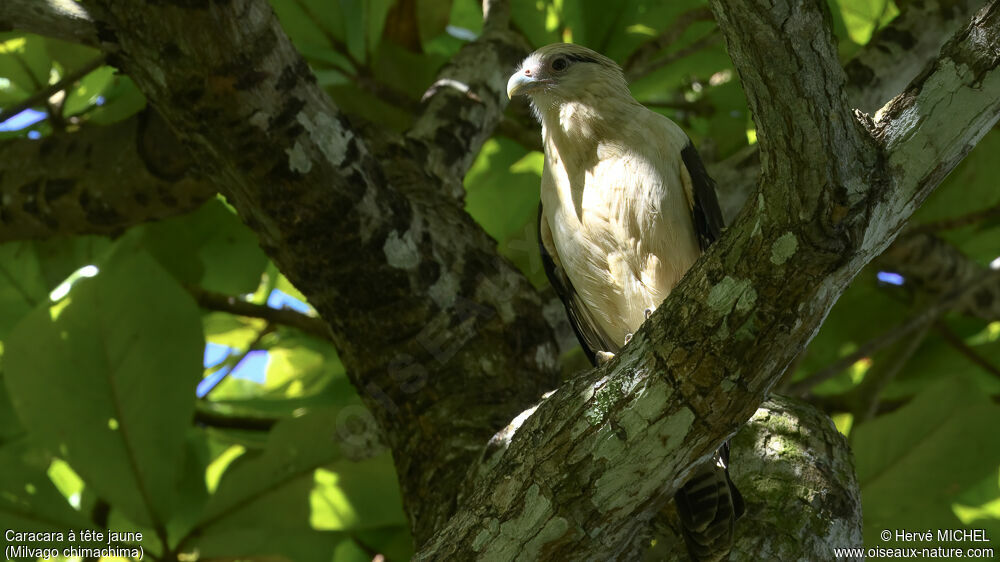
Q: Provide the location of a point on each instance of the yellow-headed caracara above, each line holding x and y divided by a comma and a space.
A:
626, 208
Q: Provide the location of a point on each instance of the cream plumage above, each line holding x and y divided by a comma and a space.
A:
626, 209
622, 216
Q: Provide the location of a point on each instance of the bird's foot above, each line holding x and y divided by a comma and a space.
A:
649, 312
628, 338
604, 356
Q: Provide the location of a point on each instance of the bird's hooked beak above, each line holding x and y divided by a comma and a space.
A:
525, 79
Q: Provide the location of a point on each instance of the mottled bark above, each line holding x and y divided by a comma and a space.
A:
896, 55
62, 19
797, 476
595, 461
441, 336
898, 52
98, 180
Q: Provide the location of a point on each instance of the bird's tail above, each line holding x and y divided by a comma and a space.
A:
708, 505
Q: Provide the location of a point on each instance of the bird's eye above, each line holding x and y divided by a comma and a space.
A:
560, 64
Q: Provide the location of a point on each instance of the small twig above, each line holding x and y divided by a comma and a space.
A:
708, 40
252, 347
956, 222
334, 41
876, 380
648, 50
930, 314
700, 106
283, 316
44, 94
222, 421
952, 338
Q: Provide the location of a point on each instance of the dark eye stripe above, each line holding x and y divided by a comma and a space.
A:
581, 58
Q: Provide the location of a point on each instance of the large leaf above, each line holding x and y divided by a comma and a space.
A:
913, 463
22, 283
28, 500
502, 195
108, 379
24, 61
301, 494
209, 247
864, 311
971, 186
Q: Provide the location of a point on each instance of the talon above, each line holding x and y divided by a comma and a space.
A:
603, 357
649, 312
628, 338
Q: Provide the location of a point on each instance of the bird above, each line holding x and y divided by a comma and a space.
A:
626, 208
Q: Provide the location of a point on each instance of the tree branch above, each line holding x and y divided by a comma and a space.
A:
936, 267
283, 316
955, 341
443, 339
796, 475
914, 38
98, 180
642, 61
464, 105
62, 19
608, 448
40, 97
898, 52
974, 217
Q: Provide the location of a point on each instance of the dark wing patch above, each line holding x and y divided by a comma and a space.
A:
592, 338
705, 212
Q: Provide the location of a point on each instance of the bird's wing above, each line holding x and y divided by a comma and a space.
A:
699, 189
592, 338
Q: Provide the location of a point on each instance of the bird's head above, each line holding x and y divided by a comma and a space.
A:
563, 72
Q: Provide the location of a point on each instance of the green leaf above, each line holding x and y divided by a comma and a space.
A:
862, 17
209, 247
937, 358
301, 21
405, 71
432, 18
538, 21
467, 14
191, 492
70, 56
363, 24
22, 283
84, 94
28, 499
971, 186
58, 258
10, 427
24, 61
295, 371
863, 312
107, 378
913, 463
502, 196
299, 487
121, 101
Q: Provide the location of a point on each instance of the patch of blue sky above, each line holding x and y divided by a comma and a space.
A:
252, 368
26, 118
216, 353
890, 278
280, 299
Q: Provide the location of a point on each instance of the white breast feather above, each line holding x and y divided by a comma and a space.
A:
620, 221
